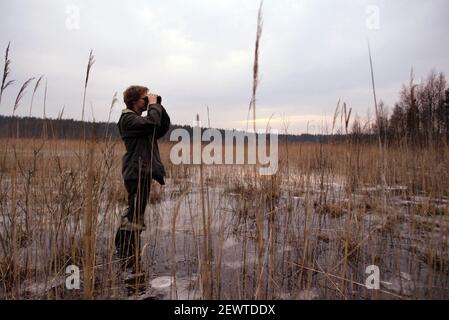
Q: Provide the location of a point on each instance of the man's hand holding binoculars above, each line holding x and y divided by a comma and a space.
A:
152, 98
154, 101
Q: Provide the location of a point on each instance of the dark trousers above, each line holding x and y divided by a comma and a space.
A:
127, 242
138, 194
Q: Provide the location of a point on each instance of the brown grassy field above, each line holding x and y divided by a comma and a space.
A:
220, 232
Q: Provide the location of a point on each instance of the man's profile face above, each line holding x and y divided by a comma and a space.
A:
141, 104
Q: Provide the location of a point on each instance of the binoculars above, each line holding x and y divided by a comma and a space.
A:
158, 100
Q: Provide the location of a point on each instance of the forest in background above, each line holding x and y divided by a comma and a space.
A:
420, 118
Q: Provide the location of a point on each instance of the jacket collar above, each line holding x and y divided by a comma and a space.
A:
126, 110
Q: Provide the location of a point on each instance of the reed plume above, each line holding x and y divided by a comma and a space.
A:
6, 83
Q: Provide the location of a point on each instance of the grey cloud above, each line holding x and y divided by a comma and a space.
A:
198, 53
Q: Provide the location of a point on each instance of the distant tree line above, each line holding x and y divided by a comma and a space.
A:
30, 127
420, 117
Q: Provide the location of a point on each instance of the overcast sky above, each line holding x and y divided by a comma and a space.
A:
199, 53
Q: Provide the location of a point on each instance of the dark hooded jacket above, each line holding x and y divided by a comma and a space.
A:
140, 135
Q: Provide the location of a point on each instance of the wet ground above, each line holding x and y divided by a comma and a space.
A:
305, 245
317, 244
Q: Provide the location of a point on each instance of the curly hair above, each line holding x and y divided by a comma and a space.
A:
132, 94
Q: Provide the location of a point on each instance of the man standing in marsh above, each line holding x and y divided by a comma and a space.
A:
141, 164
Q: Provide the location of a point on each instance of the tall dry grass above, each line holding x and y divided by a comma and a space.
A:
325, 221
